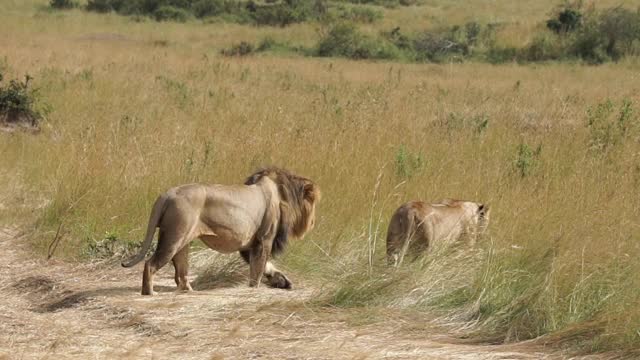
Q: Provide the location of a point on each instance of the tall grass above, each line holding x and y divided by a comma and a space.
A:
131, 117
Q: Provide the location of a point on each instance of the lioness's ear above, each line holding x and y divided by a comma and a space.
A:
253, 179
483, 209
311, 192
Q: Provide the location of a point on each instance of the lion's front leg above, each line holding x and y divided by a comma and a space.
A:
276, 278
257, 263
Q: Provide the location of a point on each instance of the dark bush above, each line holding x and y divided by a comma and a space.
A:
63, 4
205, 8
18, 102
450, 44
568, 20
102, 6
590, 45
437, 47
267, 43
275, 15
621, 29
385, 3
286, 12
171, 13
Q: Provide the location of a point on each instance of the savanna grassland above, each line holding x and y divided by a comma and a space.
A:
133, 107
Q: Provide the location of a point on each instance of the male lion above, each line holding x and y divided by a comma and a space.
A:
416, 226
255, 219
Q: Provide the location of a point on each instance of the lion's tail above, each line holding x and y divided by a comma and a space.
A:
154, 219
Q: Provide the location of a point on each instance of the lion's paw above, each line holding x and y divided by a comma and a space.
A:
279, 281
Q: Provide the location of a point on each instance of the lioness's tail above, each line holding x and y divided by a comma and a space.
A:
401, 229
154, 219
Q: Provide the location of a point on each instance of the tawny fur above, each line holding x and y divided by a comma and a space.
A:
416, 226
255, 219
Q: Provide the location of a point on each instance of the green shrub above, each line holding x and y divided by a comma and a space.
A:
527, 159
501, 55
270, 44
18, 102
590, 45
400, 40
408, 164
608, 128
63, 4
610, 35
544, 47
241, 49
362, 14
111, 246
344, 40
170, 13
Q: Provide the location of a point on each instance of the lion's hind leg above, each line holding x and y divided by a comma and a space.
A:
170, 242
181, 265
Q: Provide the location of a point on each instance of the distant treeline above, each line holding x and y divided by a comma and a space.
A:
571, 34
270, 13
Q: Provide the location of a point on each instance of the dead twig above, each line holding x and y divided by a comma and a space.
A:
55, 242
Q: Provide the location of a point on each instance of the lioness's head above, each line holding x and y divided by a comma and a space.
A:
481, 217
477, 213
298, 198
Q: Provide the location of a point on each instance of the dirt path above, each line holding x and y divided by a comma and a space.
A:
57, 310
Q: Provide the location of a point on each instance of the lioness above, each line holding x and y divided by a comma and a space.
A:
416, 225
255, 219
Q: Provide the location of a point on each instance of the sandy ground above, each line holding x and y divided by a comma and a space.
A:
52, 309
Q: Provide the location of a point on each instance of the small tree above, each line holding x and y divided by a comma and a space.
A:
567, 20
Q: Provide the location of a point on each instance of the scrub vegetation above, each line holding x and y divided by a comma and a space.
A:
497, 101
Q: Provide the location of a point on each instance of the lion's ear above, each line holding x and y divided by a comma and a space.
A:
311, 192
483, 209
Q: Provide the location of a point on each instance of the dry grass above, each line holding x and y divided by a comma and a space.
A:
139, 107
112, 320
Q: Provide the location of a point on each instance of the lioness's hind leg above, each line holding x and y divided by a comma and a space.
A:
181, 265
